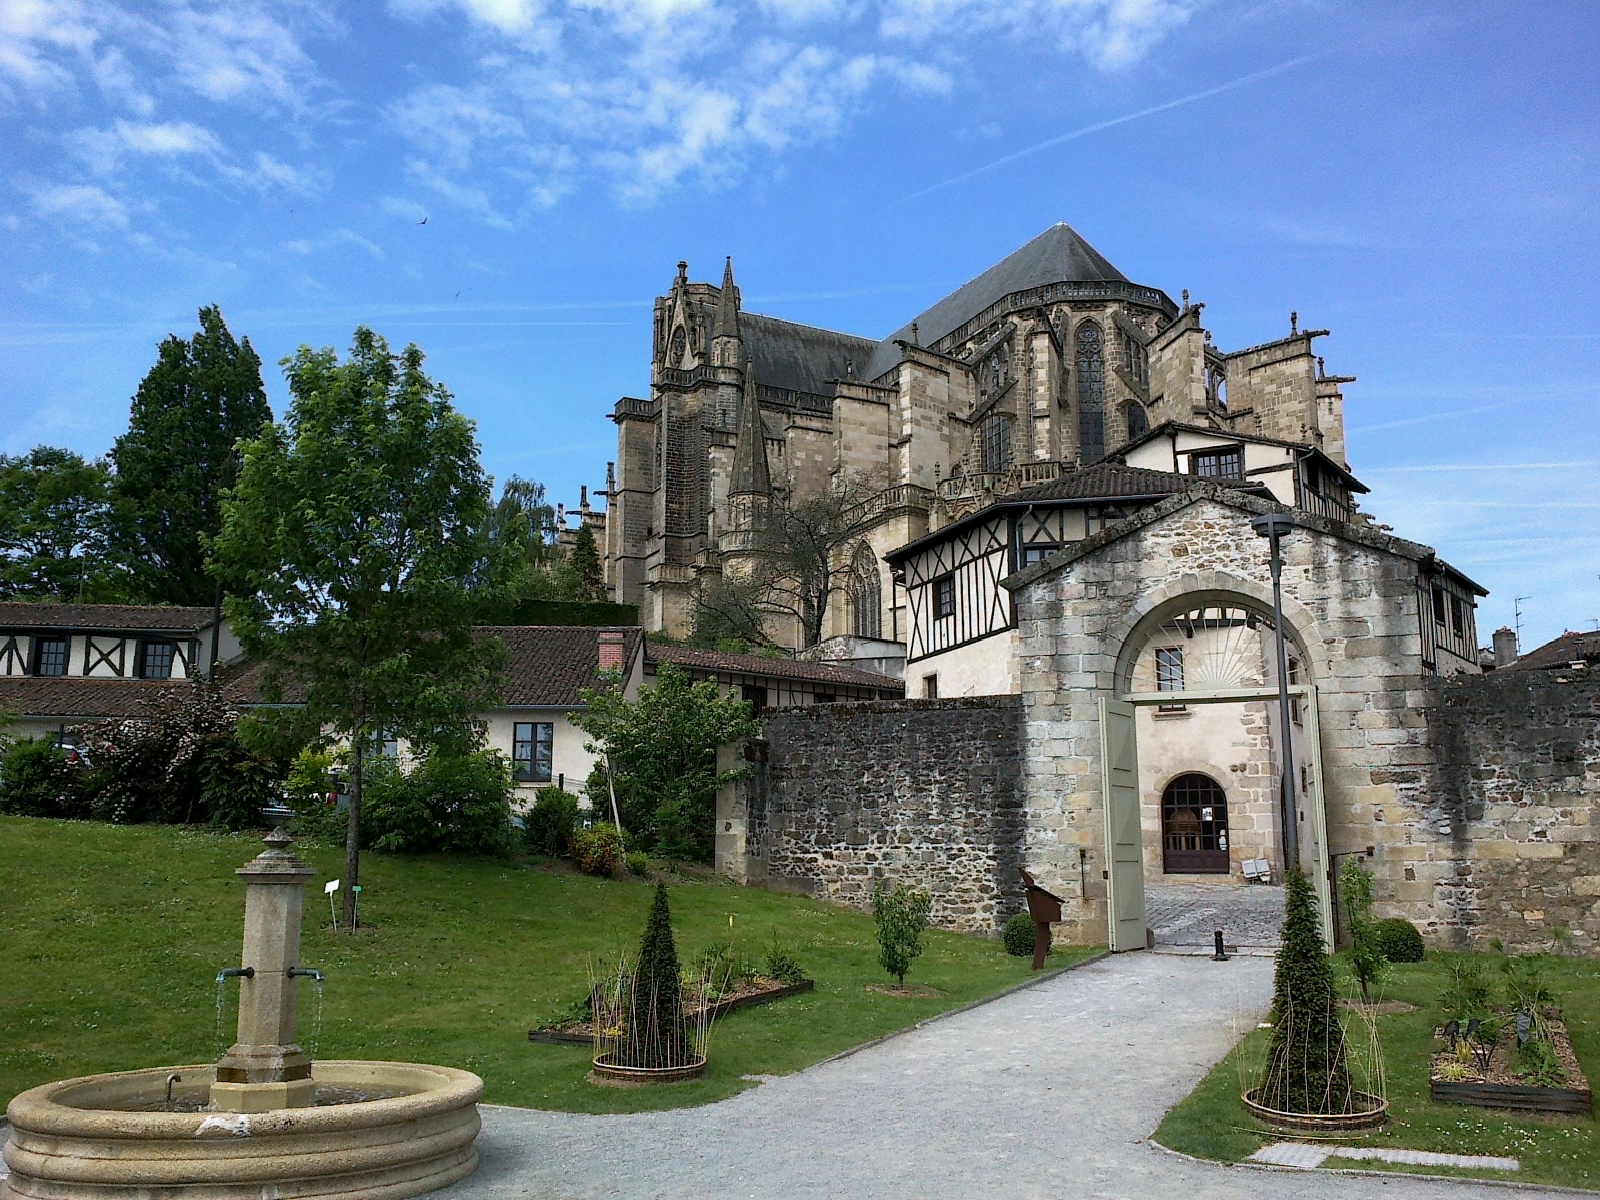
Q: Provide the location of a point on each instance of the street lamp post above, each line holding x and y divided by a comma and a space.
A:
1273, 526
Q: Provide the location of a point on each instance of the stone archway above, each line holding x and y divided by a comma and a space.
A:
1196, 682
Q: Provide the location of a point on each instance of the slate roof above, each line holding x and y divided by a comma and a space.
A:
114, 618
1102, 481
1572, 646
1058, 255
79, 699
1169, 427
695, 658
802, 358
805, 358
1116, 481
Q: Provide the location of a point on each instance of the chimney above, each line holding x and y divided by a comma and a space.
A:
610, 643
1505, 647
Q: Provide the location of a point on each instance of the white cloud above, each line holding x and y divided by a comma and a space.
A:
647, 95
79, 204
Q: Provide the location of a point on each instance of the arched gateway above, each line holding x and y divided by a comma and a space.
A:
1196, 699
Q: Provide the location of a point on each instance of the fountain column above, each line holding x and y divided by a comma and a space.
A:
265, 1068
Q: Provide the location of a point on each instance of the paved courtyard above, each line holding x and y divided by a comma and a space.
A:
1184, 916
1049, 1092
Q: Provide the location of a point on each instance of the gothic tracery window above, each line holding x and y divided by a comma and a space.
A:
1091, 392
996, 442
680, 346
1135, 358
866, 595
1138, 422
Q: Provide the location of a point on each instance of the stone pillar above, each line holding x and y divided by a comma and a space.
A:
266, 1069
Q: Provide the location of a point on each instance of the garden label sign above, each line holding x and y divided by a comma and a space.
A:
330, 888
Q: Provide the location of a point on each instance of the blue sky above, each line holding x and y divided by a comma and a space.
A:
1420, 179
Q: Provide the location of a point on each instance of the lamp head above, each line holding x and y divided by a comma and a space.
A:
1272, 524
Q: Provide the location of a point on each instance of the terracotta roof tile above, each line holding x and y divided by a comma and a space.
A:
128, 618
80, 699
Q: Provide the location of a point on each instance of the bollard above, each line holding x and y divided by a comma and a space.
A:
1221, 955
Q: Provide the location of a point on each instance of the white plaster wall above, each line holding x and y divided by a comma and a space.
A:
568, 756
986, 668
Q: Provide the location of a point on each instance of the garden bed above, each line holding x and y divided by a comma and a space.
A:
744, 994
1502, 1083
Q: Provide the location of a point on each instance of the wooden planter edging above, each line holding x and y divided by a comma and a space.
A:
559, 1038
1507, 1095
1485, 1094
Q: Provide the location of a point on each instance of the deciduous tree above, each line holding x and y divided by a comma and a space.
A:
52, 527
662, 756
349, 534
801, 553
178, 455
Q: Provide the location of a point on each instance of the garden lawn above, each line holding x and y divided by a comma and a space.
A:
114, 937
1211, 1122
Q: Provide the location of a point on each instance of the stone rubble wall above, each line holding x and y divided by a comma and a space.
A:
1517, 791
851, 796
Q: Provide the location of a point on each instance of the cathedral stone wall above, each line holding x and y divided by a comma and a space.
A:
1516, 795
842, 798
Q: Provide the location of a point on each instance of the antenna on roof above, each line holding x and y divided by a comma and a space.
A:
1516, 615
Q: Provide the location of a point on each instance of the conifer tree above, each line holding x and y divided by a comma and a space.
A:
179, 453
655, 1034
586, 564
1307, 1071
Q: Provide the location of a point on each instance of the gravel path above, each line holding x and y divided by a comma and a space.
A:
1049, 1092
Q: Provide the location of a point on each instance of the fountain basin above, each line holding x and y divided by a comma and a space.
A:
74, 1138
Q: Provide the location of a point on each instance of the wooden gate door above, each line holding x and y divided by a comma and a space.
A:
1124, 839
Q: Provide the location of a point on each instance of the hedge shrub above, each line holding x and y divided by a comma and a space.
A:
548, 826
447, 803
1018, 935
598, 850
1398, 940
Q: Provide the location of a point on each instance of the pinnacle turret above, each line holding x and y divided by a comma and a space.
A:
728, 305
751, 476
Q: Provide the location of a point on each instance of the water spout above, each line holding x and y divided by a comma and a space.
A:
317, 982
172, 1081
222, 998
236, 973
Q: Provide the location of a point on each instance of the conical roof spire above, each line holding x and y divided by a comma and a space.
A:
750, 474
728, 305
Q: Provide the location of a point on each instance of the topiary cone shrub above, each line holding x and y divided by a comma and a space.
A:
653, 1033
1307, 1069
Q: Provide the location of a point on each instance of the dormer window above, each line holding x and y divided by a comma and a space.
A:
50, 656
1218, 464
155, 659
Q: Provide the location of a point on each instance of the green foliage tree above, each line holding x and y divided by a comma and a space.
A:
348, 537
180, 762
53, 509
1307, 1070
585, 564
447, 803
1366, 951
900, 914
180, 453
659, 752
654, 1035
37, 780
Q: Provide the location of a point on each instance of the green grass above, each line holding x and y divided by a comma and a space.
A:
114, 936
1211, 1123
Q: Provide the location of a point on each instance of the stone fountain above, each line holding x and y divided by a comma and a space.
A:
264, 1120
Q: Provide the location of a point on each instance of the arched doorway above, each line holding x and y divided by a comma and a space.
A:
1194, 826
1202, 666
